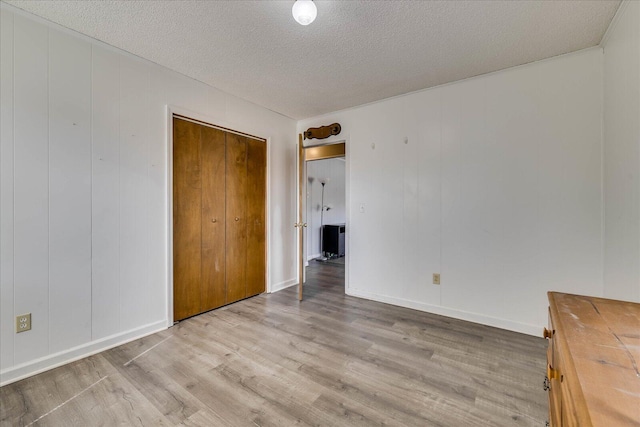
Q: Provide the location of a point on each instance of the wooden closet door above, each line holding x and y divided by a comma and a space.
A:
256, 227
236, 195
186, 219
213, 289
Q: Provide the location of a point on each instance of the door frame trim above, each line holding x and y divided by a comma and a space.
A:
215, 122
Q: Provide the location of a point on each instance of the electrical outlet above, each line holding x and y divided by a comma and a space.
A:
23, 323
436, 278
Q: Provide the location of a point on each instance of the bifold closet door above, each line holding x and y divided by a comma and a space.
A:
256, 216
212, 152
187, 219
236, 214
199, 282
219, 195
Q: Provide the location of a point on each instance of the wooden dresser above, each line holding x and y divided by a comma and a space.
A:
593, 361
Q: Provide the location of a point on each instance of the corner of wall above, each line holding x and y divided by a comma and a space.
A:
621, 154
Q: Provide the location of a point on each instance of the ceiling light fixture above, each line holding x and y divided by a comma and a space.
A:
304, 11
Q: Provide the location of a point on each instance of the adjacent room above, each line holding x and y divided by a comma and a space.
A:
314, 212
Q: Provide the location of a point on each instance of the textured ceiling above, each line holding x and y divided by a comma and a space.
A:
354, 53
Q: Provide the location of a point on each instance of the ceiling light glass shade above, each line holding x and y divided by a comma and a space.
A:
304, 11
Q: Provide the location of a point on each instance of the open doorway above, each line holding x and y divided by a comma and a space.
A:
325, 216
326, 210
322, 188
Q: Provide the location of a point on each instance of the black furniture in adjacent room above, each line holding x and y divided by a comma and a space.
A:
333, 239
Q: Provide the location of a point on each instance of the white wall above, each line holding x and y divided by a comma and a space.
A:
333, 172
84, 196
622, 155
498, 188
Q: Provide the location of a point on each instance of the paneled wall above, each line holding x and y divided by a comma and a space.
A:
332, 171
494, 182
622, 155
84, 190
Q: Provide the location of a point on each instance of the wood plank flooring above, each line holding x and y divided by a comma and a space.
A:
332, 360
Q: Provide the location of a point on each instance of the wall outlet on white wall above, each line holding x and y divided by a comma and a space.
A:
23, 323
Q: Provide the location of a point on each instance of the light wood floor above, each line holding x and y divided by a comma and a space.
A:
270, 361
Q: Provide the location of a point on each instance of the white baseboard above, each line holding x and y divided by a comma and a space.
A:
46, 363
314, 256
283, 285
450, 312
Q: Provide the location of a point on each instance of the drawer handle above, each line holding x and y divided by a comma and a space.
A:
547, 334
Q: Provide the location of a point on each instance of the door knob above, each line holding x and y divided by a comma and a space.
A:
553, 374
214, 220
237, 219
